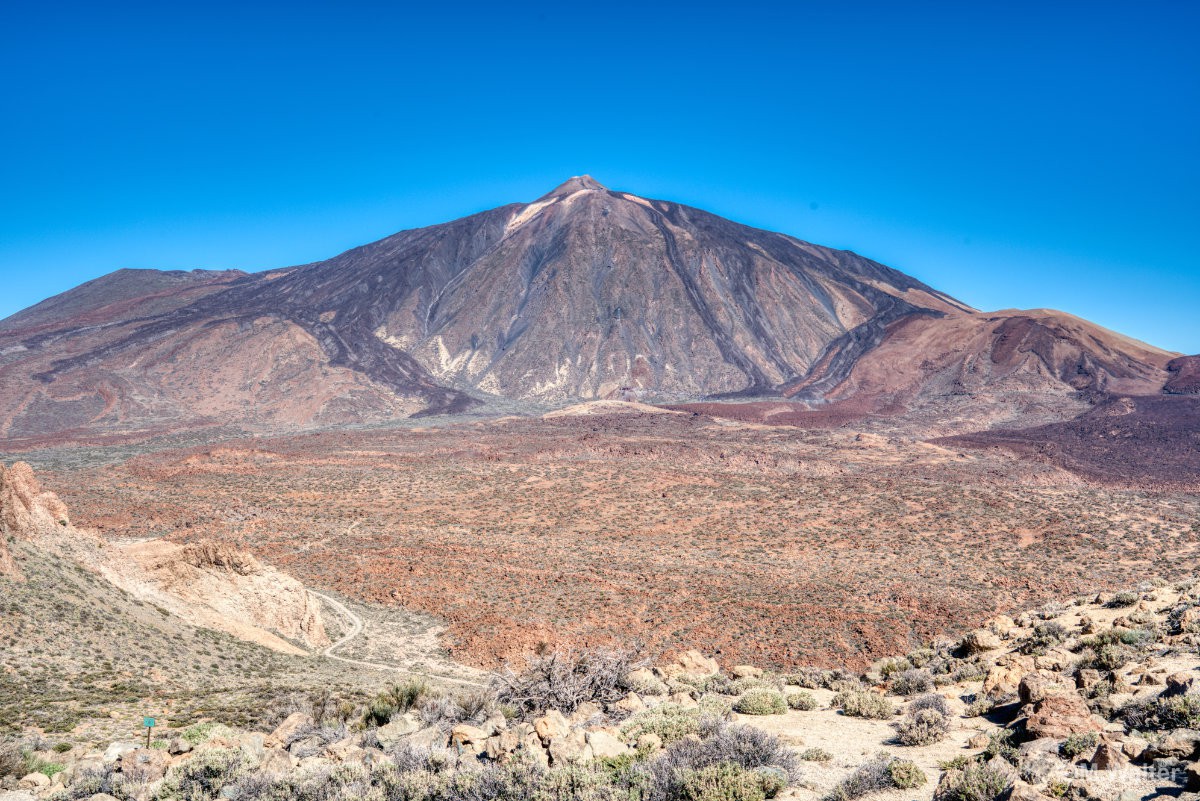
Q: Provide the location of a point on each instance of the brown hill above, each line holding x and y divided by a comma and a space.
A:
584, 294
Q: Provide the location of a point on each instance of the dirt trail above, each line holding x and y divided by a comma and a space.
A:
357, 627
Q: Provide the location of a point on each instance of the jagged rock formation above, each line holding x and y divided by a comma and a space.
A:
584, 294
26, 512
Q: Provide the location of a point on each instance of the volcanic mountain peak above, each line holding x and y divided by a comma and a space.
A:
581, 295
578, 183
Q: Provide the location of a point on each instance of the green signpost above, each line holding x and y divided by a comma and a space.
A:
149, 724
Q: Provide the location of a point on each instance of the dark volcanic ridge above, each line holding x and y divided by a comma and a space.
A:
1150, 442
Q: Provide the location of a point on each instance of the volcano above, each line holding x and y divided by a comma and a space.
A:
584, 294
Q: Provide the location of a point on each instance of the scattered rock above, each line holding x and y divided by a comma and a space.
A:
178, 746
1179, 683
277, 761
146, 764
630, 703
745, 672
692, 664
649, 743
1032, 688
551, 726
468, 738
34, 781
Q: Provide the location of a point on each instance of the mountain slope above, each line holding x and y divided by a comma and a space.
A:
583, 294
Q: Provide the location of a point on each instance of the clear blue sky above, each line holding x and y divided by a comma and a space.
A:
1013, 155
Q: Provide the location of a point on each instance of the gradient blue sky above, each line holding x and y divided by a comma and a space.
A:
1013, 155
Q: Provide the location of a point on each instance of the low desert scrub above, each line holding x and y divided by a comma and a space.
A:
1044, 637
912, 681
864, 704
1076, 745
670, 722
761, 702
973, 782
979, 707
930, 701
879, 773
1163, 713
726, 782
815, 754
922, 727
1123, 599
204, 775
565, 679
801, 701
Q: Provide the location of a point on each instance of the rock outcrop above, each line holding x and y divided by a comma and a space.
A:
26, 513
222, 587
208, 584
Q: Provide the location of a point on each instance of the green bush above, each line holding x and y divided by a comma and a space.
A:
802, 701
923, 727
723, 782
202, 732
204, 775
905, 774
815, 755
864, 704
892, 667
670, 722
761, 702
976, 782
1079, 744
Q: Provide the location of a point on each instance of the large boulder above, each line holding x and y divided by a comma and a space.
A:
693, 665
468, 739
605, 745
277, 761
145, 764
551, 726
115, 751
292, 725
400, 727
1060, 715
1108, 756
980, 641
34, 781
1004, 677
569, 748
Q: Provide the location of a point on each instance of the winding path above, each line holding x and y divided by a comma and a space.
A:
356, 629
